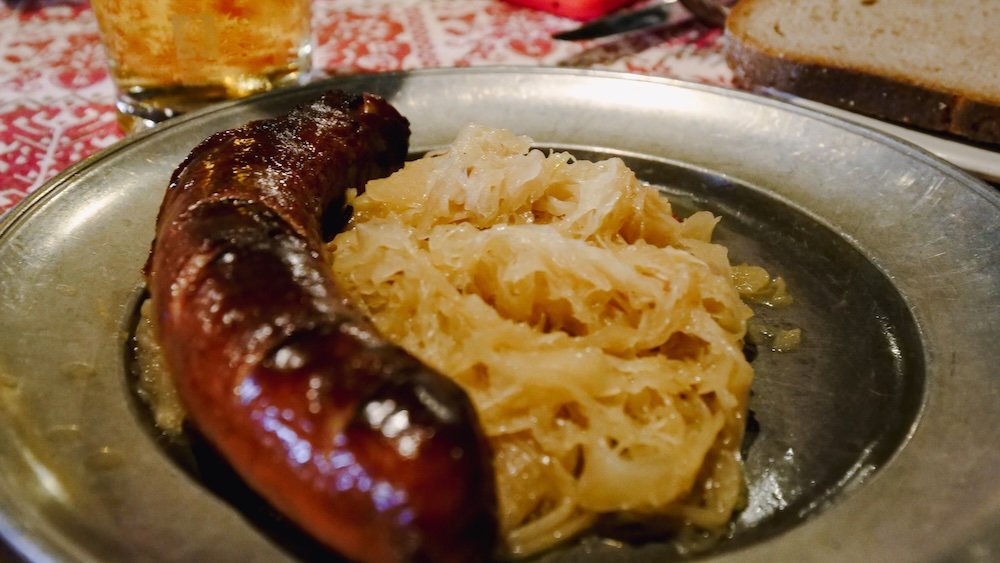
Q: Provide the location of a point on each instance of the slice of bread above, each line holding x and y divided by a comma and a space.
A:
933, 64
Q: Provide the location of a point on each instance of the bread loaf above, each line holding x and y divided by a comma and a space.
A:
933, 64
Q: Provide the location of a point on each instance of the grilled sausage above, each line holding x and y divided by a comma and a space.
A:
374, 454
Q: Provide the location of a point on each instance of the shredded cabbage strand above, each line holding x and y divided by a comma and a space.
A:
599, 337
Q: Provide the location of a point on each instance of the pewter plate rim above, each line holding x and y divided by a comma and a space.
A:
930, 181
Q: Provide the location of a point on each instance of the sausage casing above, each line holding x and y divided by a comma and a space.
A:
374, 454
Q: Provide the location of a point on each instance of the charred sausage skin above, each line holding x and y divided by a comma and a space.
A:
371, 452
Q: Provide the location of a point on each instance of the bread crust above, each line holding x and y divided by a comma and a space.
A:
858, 90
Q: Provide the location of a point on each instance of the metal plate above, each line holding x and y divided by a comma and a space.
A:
976, 158
879, 437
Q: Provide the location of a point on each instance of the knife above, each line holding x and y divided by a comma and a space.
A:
620, 22
709, 12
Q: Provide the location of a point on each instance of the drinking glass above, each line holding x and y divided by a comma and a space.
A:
168, 57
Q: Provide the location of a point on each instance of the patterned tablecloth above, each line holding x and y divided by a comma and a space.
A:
56, 94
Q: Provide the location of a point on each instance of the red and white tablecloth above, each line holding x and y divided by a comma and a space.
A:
56, 94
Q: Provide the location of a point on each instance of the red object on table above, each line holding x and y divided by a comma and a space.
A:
576, 9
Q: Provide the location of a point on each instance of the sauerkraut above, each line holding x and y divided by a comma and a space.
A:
599, 337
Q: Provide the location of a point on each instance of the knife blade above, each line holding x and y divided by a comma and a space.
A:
620, 22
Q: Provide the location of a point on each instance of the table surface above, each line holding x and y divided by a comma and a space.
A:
56, 96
